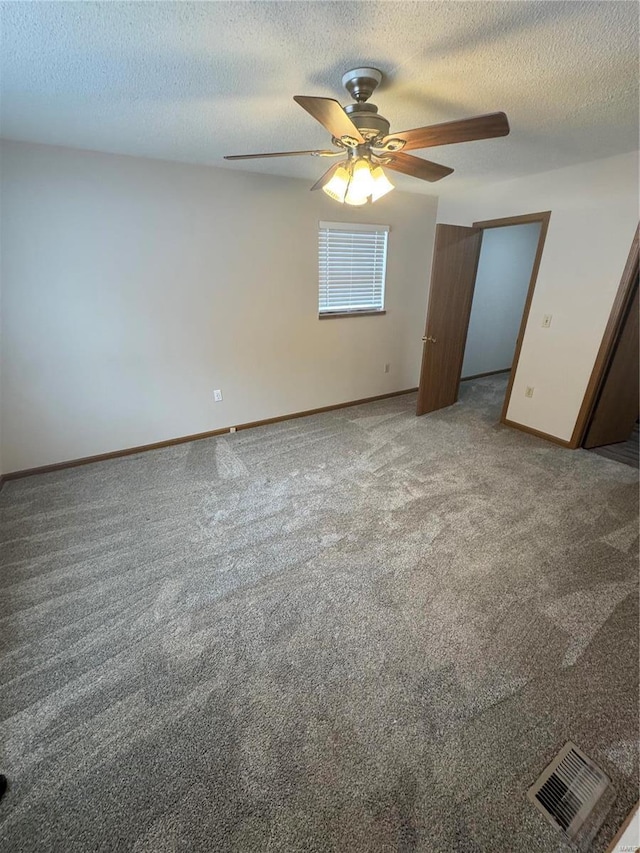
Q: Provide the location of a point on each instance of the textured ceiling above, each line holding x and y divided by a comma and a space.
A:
195, 81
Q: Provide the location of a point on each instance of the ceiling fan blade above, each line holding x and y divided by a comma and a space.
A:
326, 177
281, 154
331, 115
416, 167
465, 130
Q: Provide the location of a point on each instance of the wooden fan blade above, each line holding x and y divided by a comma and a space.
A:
279, 154
326, 177
465, 130
416, 167
330, 115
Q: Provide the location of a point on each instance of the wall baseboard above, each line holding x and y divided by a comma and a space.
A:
561, 441
488, 373
130, 451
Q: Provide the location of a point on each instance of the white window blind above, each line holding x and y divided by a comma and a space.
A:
352, 260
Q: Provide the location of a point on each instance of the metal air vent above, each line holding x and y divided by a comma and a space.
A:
574, 795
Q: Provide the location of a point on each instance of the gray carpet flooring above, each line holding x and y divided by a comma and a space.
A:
357, 632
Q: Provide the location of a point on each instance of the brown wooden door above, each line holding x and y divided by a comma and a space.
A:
616, 410
453, 277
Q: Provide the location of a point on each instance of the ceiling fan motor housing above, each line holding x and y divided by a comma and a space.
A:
366, 119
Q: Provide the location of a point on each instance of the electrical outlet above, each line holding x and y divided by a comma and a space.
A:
387, 368
528, 391
217, 396
232, 429
546, 321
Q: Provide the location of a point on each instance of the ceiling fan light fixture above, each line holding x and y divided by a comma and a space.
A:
357, 182
381, 184
337, 187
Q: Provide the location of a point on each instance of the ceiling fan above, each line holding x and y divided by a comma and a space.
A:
360, 132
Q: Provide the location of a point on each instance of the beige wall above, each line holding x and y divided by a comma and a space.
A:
132, 288
594, 214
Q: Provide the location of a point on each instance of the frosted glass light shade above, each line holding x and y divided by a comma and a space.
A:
361, 180
336, 188
381, 184
353, 198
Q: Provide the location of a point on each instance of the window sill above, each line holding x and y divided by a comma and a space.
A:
339, 314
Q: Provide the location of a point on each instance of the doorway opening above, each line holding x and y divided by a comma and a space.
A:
507, 255
482, 284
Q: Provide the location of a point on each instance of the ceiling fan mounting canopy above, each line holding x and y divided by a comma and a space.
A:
360, 132
361, 83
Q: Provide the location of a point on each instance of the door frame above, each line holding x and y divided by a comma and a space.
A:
609, 340
543, 218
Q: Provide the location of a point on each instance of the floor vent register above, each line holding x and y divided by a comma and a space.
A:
574, 795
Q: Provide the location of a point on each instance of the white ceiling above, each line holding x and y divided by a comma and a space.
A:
194, 81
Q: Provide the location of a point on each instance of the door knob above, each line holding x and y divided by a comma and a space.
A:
429, 339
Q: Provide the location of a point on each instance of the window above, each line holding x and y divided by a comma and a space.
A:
352, 262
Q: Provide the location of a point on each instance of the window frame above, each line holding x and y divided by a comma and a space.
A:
369, 311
